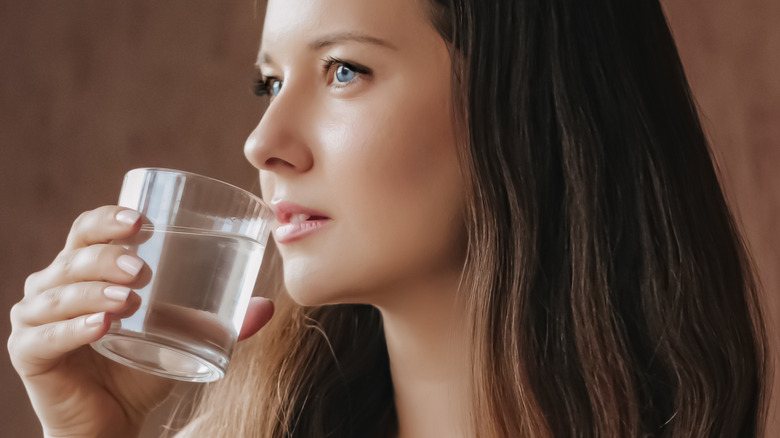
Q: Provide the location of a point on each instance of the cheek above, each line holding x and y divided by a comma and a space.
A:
398, 145
390, 171
400, 190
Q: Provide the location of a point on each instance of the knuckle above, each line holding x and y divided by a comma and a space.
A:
98, 252
106, 211
16, 314
13, 345
79, 292
104, 214
53, 297
67, 262
49, 333
31, 284
80, 221
70, 329
20, 351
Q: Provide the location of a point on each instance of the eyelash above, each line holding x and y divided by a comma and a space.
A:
263, 85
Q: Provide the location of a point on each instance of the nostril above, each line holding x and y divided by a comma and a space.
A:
276, 162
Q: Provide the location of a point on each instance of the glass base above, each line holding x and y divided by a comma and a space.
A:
162, 357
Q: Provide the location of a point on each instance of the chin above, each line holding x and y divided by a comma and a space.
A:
309, 291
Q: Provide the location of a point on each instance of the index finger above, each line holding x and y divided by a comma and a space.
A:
102, 225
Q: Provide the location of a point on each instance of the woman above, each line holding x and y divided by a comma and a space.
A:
514, 229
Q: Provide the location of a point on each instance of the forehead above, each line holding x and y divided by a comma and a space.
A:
302, 21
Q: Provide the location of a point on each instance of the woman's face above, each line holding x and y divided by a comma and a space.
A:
356, 150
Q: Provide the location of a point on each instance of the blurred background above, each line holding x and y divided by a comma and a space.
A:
91, 89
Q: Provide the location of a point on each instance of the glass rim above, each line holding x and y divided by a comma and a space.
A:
265, 207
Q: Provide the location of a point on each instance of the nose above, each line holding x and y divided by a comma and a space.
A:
278, 144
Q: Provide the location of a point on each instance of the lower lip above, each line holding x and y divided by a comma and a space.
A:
289, 233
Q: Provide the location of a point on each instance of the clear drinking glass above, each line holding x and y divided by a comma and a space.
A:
203, 241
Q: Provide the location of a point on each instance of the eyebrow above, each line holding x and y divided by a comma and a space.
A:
343, 37
333, 39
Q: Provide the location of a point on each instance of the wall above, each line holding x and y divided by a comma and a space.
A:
90, 89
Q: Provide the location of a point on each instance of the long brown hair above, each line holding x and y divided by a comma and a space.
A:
609, 291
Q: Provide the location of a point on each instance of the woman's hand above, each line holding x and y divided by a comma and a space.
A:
74, 390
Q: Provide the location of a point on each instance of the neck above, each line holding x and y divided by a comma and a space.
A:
429, 347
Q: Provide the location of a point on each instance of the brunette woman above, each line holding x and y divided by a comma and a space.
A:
496, 219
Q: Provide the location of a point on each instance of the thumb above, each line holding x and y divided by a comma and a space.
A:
258, 314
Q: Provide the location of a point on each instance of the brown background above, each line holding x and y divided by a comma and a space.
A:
90, 89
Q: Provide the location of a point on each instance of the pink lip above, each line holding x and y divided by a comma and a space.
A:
288, 231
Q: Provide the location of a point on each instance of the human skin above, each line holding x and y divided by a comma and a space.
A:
375, 153
74, 390
377, 157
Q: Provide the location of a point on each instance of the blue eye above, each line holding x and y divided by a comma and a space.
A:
344, 74
276, 87
267, 86
341, 74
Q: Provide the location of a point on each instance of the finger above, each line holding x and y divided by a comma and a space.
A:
33, 349
102, 225
72, 300
101, 262
258, 314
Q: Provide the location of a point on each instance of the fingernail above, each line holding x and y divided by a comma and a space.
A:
128, 217
96, 319
131, 265
116, 293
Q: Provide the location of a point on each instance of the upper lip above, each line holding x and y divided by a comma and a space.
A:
286, 209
